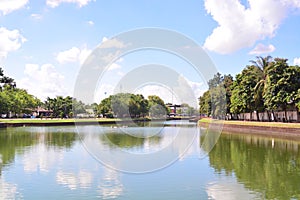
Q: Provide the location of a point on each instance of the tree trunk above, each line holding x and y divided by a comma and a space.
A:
269, 116
285, 115
257, 115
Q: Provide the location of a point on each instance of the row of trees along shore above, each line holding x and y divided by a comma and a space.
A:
13, 99
132, 105
16, 102
266, 85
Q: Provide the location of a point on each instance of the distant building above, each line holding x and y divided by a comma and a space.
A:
39, 111
174, 109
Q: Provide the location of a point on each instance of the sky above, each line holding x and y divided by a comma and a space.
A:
43, 43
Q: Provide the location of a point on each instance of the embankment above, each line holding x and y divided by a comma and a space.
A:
287, 131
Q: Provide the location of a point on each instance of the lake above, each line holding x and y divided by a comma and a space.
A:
107, 162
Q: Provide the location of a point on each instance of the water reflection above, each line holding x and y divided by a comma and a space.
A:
238, 167
39, 142
40, 158
122, 140
82, 179
12, 143
230, 189
270, 168
110, 186
8, 190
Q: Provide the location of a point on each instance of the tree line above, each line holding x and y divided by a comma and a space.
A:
132, 105
13, 99
267, 85
16, 102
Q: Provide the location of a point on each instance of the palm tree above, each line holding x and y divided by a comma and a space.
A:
263, 64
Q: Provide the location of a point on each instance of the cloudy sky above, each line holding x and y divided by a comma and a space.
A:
43, 43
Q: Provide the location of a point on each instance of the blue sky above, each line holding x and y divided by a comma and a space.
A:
43, 43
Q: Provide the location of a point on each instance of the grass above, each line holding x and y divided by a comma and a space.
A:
253, 123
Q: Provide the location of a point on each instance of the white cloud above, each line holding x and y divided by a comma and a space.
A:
114, 66
36, 16
91, 23
240, 27
55, 3
262, 49
197, 87
112, 43
43, 81
174, 95
7, 6
104, 39
165, 93
292, 3
10, 40
297, 61
73, 55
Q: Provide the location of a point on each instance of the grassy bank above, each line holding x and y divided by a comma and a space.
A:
253, 123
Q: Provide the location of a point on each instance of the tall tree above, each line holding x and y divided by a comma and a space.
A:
263, 63
228, 81
283, 84
274, 94
242, 99
205, 103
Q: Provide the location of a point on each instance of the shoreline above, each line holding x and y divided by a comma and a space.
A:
4, 123
273, 129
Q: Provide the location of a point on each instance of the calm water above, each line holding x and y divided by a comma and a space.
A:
53, 163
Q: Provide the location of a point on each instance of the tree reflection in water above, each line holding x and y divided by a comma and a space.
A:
268, 166
15, 141
123, 140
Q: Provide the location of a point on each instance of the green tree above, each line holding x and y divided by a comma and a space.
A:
17, 101
157, 106
120, 104
6, 81
216, 101
228, 81
105, 108
297, 100
242, 99
263, 63
283, 83
64, 106
205, 103
124, 105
